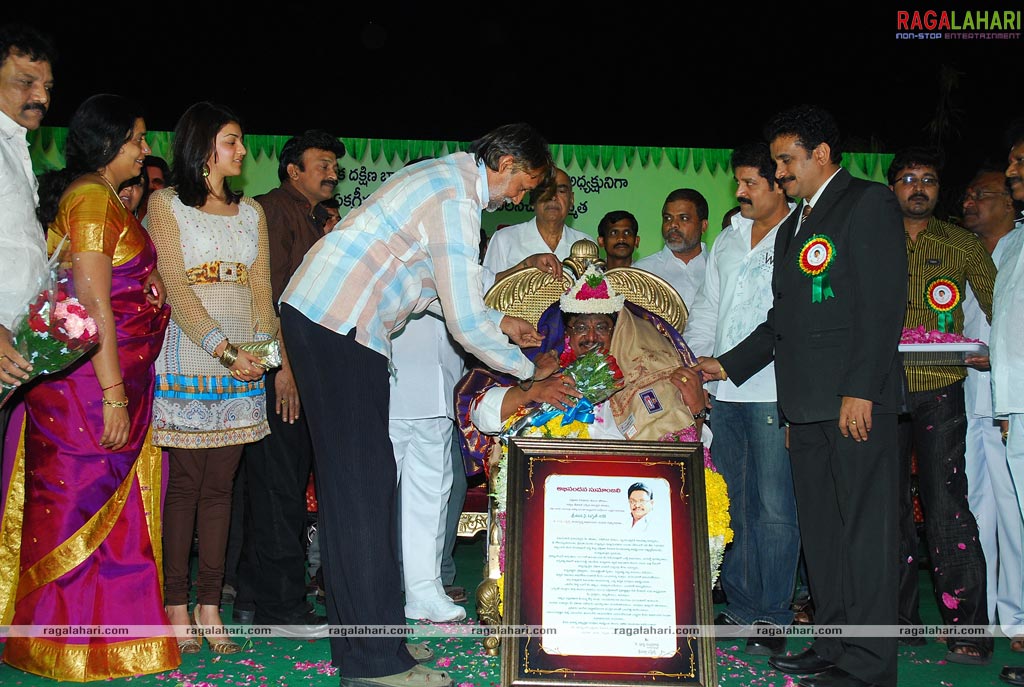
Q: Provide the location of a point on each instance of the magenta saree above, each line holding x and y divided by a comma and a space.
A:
90, 517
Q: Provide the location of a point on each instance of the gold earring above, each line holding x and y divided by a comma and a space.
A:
206, 171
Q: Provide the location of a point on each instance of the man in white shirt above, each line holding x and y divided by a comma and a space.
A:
618, 234
684, 219
988, 212
1004, 344
759, 569
421, 423
509, 248
26, 78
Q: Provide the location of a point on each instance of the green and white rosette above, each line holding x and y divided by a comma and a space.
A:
943, 295
815, 260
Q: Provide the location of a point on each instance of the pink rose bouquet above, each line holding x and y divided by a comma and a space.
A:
54, 332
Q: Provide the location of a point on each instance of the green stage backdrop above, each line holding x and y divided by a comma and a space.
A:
604, 178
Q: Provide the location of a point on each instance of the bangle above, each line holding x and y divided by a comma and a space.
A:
228, 356
1006, 436
108, 388
526, 384
721, 371
116, 404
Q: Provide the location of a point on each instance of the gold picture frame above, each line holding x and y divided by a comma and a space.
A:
591, 597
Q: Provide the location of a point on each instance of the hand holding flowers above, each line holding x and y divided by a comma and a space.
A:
54, 332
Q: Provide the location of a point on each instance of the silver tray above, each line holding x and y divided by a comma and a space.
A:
940, 353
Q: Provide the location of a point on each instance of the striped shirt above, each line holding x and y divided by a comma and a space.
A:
944, 251
415, 240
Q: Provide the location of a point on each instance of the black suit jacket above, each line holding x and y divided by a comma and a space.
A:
846, 345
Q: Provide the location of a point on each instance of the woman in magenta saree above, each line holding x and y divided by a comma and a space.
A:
85, 493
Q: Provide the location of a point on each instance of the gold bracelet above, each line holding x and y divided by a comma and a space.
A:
116, 404
229, 355
721, 371
1006, 436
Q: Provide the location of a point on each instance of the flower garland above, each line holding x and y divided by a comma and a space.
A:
499, 480
716, 494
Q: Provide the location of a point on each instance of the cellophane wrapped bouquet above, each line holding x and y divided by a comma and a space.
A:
53, 331
597, 376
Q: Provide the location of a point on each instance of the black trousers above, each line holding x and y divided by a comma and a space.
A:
272, 569
345, 392
846, 497
936, 427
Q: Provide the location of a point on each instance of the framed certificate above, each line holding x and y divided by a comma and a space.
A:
607, 575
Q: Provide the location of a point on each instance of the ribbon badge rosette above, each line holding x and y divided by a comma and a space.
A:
815, 260
942, 296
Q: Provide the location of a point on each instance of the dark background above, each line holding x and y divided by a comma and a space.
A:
692, 76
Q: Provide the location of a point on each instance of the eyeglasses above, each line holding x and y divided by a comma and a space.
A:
978, 196
581, 329
910, 179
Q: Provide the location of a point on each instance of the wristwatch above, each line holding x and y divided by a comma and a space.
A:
701, 415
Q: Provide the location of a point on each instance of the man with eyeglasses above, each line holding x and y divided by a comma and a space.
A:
942, 259
486, 400
542, 242
988, 212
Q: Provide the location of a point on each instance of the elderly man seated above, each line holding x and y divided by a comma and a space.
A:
487, 399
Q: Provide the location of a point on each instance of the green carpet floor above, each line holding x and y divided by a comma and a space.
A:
282, 662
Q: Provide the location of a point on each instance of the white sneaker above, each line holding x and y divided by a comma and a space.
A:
440, 610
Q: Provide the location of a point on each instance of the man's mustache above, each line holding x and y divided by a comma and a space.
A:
329, 182
34, 106
919, 196
744, 201
623, 244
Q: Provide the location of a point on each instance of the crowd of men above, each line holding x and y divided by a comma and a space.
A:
796, 313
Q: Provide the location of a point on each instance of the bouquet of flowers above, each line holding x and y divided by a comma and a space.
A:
717, 496
53, 332
597, 376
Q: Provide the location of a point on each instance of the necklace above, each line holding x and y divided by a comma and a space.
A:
110, 186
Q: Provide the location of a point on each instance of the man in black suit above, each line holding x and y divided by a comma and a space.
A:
834, 330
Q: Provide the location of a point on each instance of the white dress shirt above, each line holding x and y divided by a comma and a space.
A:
511, 245
735, 297
22, 241
977, 386
1008, 328
427, 368
685, 277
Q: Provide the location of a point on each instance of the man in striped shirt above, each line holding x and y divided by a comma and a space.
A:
412, 246
942, 260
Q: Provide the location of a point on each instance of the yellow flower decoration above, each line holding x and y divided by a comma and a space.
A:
501, 596
554, 429
718, 505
